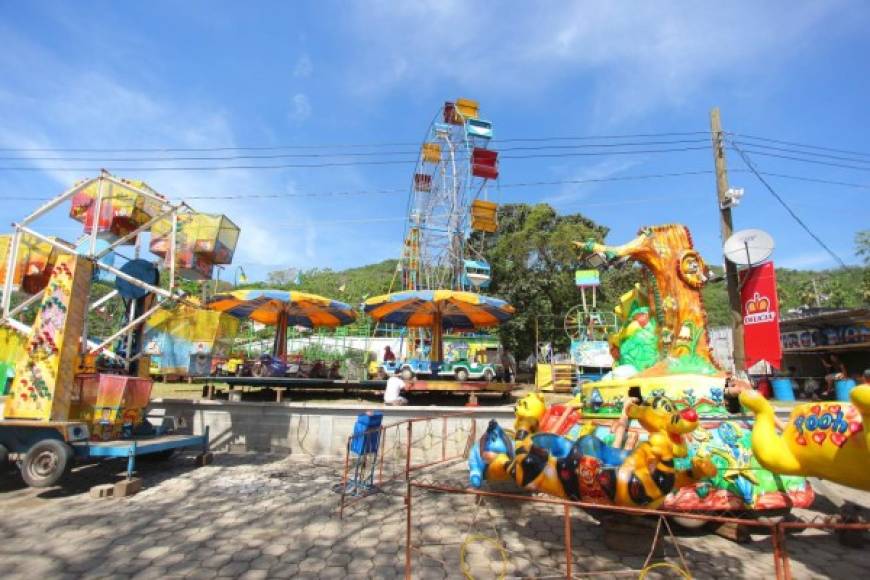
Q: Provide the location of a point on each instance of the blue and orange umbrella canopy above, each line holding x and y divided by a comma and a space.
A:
300, 308
456, 310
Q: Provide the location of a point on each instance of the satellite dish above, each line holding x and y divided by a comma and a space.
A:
748, 247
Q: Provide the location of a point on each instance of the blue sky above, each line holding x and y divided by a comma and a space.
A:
230, 74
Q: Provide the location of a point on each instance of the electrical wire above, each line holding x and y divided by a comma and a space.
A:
803, 160
346, 163
391, 191
638, 177
340, 154
326, 146
803, 145
799, 152
751, 166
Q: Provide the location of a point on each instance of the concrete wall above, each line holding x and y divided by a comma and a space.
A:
315, 429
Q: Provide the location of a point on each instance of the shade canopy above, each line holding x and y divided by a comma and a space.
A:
283, 308
454, 309
270, 306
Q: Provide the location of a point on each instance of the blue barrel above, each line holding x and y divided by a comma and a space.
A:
782, 389
843, 387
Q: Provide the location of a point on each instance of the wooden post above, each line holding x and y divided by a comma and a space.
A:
726, 227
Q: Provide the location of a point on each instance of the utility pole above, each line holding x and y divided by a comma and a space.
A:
727, 228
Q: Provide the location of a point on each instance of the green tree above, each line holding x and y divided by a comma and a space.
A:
862, 246
533, 260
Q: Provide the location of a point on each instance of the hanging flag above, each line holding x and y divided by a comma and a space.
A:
760, 315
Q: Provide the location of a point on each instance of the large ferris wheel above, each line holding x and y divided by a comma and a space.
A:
449, 199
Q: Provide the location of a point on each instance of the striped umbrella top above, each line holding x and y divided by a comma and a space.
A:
301, 309
457, 310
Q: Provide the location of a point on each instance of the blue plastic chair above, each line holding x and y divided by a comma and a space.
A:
365, 443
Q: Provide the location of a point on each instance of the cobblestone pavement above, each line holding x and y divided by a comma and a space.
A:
261, 516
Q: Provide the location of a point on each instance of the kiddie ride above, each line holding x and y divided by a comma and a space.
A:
61, 406
688, 454
460, 369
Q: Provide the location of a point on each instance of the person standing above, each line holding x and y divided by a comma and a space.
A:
389, 355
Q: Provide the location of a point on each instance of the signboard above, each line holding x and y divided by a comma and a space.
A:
587, 278
858, 333
591, 353
760, 315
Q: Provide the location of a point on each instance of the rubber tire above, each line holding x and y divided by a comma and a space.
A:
406, 374
58, 453
462, 375
488, 375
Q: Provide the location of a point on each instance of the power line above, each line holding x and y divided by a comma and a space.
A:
639, 177
816, 180
782, 202
803, 145
325, 146
343, 163
387, 191
799, 152
350, 154
803, 160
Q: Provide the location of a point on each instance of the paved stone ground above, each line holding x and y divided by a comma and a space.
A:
261, 516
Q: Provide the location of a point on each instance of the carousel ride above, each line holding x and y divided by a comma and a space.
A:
655, 431
440, 271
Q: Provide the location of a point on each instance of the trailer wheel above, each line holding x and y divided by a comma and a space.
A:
46, 463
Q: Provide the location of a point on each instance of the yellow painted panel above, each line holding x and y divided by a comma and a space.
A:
12, 344
43, 383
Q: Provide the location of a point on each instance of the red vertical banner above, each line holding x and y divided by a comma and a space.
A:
760, 315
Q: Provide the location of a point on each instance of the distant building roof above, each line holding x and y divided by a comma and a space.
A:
815, 317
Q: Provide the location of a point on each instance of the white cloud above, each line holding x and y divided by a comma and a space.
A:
301, 108
636, 56
807, 260
303, 68
96, 110
571, 193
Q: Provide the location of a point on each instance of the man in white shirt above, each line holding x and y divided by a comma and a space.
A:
395, 385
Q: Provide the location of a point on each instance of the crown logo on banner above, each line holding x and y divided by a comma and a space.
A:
758, 310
